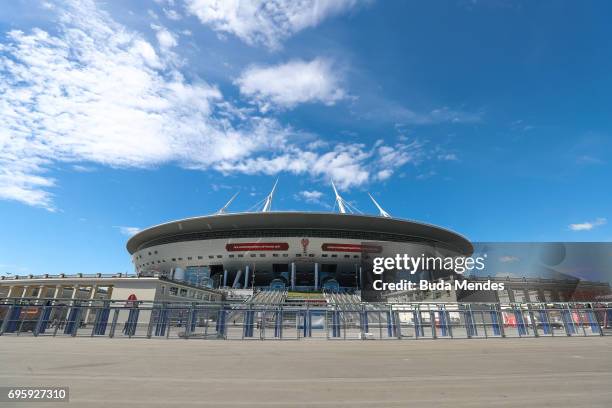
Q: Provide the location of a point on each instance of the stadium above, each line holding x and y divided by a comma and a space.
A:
283, 250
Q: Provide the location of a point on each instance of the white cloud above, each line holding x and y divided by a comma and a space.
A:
172, 14
390, 111
349, 165
310, 196
99, 93
508, 259
96, 93
295, 82
588, 225
129, 231
166, 39
266, 22
448, 157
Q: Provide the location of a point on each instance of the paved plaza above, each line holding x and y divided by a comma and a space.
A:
102, 372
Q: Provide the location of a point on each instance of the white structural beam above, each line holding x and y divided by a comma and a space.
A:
222, 209
268, 204
382, 212
339, 200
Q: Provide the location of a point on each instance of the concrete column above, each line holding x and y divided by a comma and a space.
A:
41, 293
237, 279
292, 275
92, 296
225, 278
58, 291
246, 277
316, 265
12, 291
75, 290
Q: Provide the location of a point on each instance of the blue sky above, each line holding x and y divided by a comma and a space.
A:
490, 118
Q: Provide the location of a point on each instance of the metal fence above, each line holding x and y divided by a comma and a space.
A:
251, 321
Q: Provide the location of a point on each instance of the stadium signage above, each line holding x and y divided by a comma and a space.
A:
375, 249
257, 246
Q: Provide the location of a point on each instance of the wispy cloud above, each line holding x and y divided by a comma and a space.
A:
587, 159
588, 225
129, 231
96, 93
348, 165
292, 83
508, 259
265, 22
313, 196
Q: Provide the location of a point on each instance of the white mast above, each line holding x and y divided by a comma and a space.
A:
268, 203
222, 209
383, 213
339, 200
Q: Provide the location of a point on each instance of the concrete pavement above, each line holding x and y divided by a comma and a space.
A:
528, 372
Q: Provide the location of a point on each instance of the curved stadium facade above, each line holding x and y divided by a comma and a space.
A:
293, 250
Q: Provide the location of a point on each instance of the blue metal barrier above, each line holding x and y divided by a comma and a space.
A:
443, 316
544, 322
520, 322
495, 322
568, 322
194, 320
13, 319
101, 321
278, 323
129, 329
72, 323
364, 322
44, 318
220, 326
419, 331
470, 324
593, 323
162, 322
335, 323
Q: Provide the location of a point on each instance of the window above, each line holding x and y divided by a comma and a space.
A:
262, 255
180, 259
199, 256
240, 256
334, 255
155, 252
219, 256
163, 289
149, 253
324, 255
355, 256
173, 290
231, 255
184, 292
285, 255
253, 255
298, 255
311, 255
189, 258
211, 256
275, 255
347, 256
173, 259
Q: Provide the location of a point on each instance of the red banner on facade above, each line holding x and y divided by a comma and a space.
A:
374, 249
257, 246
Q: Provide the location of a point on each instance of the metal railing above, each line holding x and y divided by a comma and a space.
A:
239, 320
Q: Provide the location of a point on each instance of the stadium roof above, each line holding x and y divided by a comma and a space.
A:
301, 221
